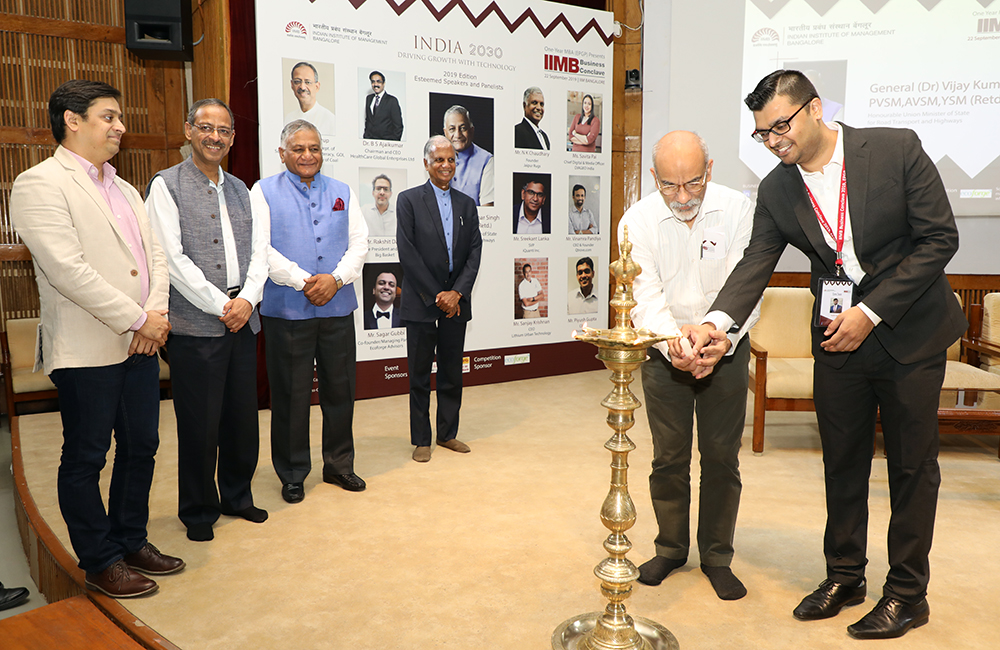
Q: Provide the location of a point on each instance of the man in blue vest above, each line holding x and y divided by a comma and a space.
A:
319, 240
218, 266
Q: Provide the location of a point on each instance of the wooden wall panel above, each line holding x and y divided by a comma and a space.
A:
44, 43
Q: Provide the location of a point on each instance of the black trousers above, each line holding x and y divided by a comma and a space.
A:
214, 382
447, 336
294, 348
847, 400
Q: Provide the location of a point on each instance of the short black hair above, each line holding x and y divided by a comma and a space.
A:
376, 72
578, 187
76, 95
525, 268
536, 179
586, 260
791, 83
209, 101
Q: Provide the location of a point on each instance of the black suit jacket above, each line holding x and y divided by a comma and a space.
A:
904, 235
371, 324
543, 214
423, 252
525, 138
387, 121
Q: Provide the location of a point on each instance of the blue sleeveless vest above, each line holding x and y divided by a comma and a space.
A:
469, 171
306, 229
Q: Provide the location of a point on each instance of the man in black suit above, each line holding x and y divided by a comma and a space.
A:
527, 135
383, 117
885, 354
383, 315
439, 245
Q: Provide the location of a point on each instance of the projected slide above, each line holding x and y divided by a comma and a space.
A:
928, 66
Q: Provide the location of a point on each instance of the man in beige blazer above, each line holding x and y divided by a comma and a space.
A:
102, 281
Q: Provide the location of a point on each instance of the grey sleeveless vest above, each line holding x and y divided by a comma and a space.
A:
201, 238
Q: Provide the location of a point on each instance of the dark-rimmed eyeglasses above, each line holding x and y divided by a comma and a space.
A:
779, 128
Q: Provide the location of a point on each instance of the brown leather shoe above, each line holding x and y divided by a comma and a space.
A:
118, 582
455, 445
422, 454
150, 561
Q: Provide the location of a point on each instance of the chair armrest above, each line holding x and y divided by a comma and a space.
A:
973, 347
758, 351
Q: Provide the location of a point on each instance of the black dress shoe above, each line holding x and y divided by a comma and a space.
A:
293, 492
828, 600
13, 597
891, 618
350, 482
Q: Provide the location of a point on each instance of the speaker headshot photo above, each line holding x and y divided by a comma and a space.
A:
582, 290
584, 119
527, 133
382, 286
531, 284
377, 189
383, 113
530, 199
467, 122
307, 89
584, 204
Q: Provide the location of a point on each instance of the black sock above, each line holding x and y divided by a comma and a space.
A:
655, 570
727, 586
200, 533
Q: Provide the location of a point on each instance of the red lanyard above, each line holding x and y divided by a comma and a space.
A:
841, 217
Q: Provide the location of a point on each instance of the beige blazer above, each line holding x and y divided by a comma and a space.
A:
87, 278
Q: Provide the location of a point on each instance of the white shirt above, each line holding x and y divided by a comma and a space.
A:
526, 227
285, 272
529, 289
185, 275
582, 219
382, 323
678, 284
538, 134
380, 224
578, 304
320, 117
486, 184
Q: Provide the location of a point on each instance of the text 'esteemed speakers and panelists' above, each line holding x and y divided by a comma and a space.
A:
524, 109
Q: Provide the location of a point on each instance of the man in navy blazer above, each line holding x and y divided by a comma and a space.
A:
440, 246
383, 116
885, 355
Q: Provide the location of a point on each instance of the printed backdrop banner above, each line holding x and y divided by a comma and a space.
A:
930, 66
523, 93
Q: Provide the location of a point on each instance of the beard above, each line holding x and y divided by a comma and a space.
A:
694, 207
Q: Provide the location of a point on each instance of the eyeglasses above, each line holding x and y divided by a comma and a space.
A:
781, 128
302, 82
207, 129
532, 194
692, 187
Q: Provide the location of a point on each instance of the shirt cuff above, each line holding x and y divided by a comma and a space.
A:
872, 316
720, 319
137, 325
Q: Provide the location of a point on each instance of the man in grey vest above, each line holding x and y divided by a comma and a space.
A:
218, 266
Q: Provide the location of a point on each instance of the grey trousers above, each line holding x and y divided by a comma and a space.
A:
672, 398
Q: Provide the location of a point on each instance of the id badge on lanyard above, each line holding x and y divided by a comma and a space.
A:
835, 293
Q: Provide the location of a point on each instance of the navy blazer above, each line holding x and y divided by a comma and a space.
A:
904, 235
525, 138
387, 122
423, 252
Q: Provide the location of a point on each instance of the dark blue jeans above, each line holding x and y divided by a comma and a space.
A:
125, 398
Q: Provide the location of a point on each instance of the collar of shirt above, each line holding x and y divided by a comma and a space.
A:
296, 181
521, 217
91, 169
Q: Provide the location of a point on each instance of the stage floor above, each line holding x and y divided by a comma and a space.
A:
496, 548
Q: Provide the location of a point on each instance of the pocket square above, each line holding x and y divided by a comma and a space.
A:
338, 205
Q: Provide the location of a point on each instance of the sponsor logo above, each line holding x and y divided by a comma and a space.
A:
466, 364
295, 29
975, 194
765, 36
516, 359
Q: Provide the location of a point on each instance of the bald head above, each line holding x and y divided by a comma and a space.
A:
682, 169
